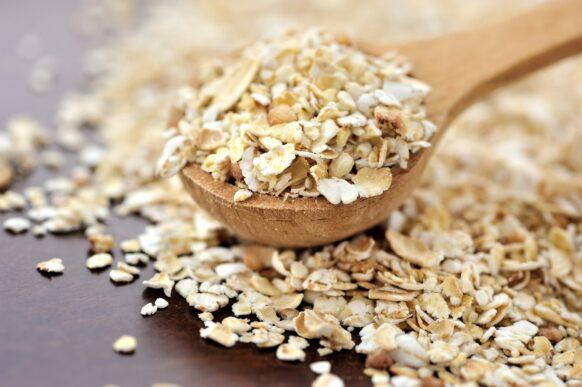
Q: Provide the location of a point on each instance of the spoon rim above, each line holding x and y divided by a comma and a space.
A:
225, 191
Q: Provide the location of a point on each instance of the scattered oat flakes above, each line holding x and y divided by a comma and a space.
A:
120, 276
160, 281
101, 243
219, 333
122, 266
328, 380
53, 159
242, 194
486, 249
297, 124
289, 352
130, 246
136, 258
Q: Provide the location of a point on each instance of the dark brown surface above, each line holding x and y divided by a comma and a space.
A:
59, 331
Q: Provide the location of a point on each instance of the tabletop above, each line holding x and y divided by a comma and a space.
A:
59, 331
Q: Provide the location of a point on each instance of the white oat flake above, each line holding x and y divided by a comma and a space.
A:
161, 303
148, 309
99, 261
17, 225
125, 344
120, 276
320, 367
53, 265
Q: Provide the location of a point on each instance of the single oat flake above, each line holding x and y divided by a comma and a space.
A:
99, 261
17, 225
53, 265
125, 344
320, 367
120, 276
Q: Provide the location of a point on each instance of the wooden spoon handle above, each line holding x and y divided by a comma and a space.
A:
465, 66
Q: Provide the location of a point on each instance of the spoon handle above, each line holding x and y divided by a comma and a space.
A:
465, 66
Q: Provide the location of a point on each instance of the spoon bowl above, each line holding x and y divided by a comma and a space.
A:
461, 68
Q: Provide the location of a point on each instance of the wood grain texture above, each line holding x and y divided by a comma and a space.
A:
461, 68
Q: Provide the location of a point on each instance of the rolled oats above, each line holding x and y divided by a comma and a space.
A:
17, 225
125, 344
477, 280
279, 126
53, 265
99, 261
320, 367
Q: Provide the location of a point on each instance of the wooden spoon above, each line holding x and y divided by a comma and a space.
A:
461, 68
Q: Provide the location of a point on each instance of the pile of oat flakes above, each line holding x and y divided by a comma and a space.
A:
476, 279
305, 114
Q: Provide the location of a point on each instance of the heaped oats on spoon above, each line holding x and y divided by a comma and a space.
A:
305, 114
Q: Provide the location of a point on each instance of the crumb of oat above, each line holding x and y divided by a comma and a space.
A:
99, 261
101, 243
130, 246
289, 352
551, 333
161, 303
328, 380
431, 381
324, 351
219, 333
320, 367
136, 258
205, 316
148, 309
128, 268
125, 344
53, 159
241, 195
53, 265
17, 225
120, 276
379, 359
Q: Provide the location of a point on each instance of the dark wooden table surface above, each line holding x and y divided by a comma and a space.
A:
59, 331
